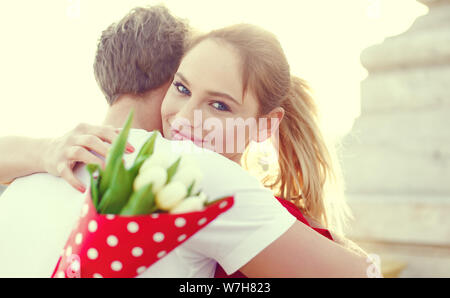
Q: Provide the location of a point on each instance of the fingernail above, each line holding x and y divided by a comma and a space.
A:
82, 189
130, 148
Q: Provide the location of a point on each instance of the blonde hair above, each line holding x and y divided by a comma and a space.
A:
306, 165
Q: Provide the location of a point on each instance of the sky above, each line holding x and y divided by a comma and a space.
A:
47, 50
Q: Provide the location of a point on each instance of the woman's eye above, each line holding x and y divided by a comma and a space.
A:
220, 106
181, 88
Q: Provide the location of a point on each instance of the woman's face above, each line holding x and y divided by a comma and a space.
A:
206, 103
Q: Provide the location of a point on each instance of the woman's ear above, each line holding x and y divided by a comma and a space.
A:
269, 124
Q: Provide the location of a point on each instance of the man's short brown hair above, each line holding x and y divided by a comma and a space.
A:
139, 53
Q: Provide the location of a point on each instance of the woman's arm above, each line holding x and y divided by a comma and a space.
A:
22, 156
302, 252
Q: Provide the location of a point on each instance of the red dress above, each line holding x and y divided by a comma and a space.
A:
220, 273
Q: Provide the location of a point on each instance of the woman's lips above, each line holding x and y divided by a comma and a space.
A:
178, 135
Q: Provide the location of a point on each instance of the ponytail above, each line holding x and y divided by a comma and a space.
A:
306, 165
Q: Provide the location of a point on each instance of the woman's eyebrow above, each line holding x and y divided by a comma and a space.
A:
182, 77
212, 93
220, 94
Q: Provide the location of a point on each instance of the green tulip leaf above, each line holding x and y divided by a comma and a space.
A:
141, 202
172, 169
92, 168
145, 152
115, 155
117, 194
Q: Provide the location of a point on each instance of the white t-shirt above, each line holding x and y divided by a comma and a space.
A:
37, 214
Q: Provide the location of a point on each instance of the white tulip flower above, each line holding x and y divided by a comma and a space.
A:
156, 175
203, 197
197, 185
170, 195
191, 204
158, 159
187, 175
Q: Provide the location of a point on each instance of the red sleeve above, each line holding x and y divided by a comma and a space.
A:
297, 213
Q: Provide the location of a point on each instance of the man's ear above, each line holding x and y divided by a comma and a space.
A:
269, 124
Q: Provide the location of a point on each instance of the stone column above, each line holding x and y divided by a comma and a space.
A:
396, 159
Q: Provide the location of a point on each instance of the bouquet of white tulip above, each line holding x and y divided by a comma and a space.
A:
132, 217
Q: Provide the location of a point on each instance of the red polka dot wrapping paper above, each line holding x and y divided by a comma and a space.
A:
117, 246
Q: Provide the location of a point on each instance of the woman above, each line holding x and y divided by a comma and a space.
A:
259, 86
252, 80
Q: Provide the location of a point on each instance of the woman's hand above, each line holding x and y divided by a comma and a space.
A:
81, 144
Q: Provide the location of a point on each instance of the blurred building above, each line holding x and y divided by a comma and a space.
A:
397, 156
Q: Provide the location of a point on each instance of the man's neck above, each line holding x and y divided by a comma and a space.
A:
147, 111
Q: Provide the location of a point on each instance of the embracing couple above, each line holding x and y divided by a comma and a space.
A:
190, 87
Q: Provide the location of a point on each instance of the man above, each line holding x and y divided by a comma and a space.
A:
134, 65
135, 61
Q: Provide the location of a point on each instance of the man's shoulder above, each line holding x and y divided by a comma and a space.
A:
36, 178
221, 176
206, 159
174, 149
38, 185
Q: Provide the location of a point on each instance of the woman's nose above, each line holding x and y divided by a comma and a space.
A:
191, 114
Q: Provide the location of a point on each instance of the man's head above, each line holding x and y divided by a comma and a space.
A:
140, 53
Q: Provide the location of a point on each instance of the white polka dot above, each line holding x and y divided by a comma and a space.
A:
141, 269
161, 254
223, 204
75, 266
180, 222
133, 227
181, 237
92, 227
116, 266
97, 275
84, 210
69, 251
60, 274
158, 237
137, 251
155, 215
78, 238
202, 221
112, 240
92, 253
110, 216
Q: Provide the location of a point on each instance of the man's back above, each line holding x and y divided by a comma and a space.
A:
37, 214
